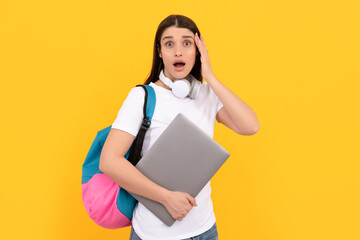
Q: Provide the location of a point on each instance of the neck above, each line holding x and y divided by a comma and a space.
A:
187, 78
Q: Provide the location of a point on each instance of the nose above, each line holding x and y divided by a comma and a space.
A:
178, 51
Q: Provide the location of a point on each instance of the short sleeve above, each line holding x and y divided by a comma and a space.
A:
219, 104
131, 113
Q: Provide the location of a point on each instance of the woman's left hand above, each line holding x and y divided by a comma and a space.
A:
206, 70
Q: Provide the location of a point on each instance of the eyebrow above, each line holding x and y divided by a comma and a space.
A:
172, 37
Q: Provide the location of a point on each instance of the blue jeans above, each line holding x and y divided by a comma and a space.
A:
210, 234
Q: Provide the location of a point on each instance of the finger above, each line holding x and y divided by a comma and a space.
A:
202, 40
199, 45
198, 40
192, 200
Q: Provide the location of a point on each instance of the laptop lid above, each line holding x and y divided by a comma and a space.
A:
184, 158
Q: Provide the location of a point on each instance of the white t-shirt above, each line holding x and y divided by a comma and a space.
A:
201, 111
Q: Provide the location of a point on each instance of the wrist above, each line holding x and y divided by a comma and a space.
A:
209, 77
163, 195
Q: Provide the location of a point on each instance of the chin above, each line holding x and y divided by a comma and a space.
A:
179, 75
182, 74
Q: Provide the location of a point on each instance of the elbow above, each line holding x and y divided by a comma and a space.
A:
249, 131
256, 129
103, 164
107, 162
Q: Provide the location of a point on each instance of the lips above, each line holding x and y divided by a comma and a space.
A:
179, 65
178, 62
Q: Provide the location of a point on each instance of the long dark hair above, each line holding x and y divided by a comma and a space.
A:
179, 21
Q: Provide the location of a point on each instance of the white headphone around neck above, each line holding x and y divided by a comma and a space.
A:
181, 88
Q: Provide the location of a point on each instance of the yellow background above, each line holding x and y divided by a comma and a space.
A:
67, 66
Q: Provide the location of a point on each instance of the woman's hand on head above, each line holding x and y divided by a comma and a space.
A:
206, 70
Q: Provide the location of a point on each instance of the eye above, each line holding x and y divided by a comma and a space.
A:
167, 43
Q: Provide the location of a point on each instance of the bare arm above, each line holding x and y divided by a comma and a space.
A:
120, 170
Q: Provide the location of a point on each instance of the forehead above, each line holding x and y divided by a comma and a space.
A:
176, 32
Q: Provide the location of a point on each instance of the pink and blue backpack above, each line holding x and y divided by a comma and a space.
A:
109, 205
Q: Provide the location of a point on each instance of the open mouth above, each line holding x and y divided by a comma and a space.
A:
178, 65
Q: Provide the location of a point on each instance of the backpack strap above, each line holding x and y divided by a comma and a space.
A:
149, 107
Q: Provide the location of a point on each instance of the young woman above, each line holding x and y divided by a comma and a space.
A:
177, 39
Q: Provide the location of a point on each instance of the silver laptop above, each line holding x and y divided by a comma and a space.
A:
184, 158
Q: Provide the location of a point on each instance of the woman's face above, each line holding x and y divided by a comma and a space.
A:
177, 44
